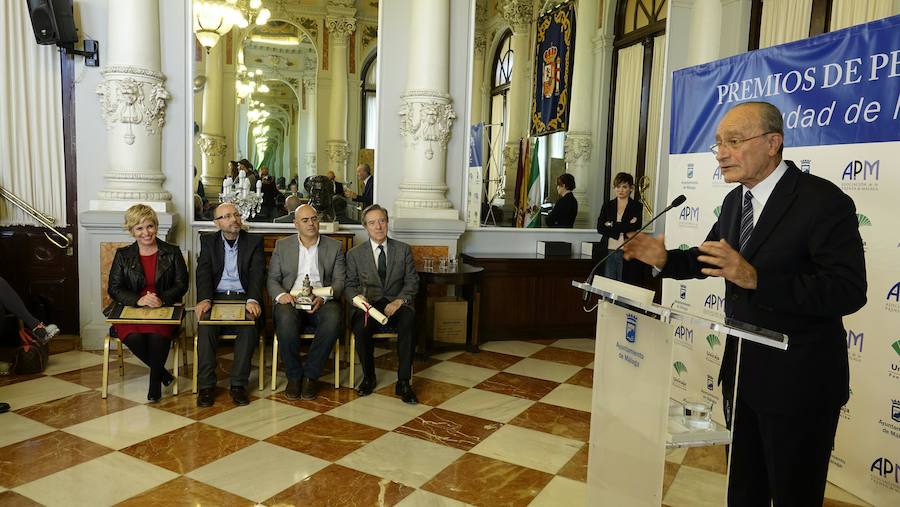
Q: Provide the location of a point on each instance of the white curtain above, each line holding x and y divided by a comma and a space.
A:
627, 118
31, 136
784, 21
846, 13
654, 115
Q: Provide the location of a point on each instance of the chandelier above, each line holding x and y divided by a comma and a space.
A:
238, 192
248, 82
215, 18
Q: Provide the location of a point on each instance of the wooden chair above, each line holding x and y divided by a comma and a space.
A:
308, 333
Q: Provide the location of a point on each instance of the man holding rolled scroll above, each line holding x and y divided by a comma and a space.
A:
320, 259
231, 267
382, 279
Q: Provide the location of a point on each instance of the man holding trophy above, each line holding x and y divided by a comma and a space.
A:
306, 275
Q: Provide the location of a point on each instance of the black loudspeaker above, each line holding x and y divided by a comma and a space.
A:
53, 21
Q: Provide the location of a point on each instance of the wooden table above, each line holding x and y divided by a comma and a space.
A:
468, 279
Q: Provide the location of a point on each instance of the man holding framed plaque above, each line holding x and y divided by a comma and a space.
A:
231, 268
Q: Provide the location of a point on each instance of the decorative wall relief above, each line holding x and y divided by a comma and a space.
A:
427, 116
132, 95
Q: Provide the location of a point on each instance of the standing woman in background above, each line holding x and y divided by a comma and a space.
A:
618, 216
566, 208
150, 273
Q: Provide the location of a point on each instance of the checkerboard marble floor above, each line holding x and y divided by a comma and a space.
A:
506, 426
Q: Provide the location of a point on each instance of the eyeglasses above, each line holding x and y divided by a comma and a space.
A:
732, 144
306, 220
228, 216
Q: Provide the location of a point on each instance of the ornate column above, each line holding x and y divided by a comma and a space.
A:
519, 14
212, 139
578, 139
133, 100
426, 116
735, 27
309, 125
341, 23
603, 49
706, 26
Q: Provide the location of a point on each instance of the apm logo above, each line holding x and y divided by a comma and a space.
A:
894, 293
689, 214
861, 170
714, 302
684, 334
855, 341
886, 470
679, 367
717, 175
630, 328
690, 171
713, 341
863, 220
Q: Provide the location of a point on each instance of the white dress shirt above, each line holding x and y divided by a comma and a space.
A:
763, 190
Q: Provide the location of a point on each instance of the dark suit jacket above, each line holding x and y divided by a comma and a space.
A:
401, 281
608, 214
127, 280
366, 197
564, 212
283, 265
811, 271
251, 264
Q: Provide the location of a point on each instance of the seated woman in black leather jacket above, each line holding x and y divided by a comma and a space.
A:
152, 273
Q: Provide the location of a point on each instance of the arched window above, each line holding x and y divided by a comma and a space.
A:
501, 76
368, 129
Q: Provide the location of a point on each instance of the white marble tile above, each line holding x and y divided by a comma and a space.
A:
836, 493
443, 356
379, 411
422, 498
676, 455
561, 491
512, 347
18, 427
582, 344
39, 390
72, 360
455, 373
570, 396
487, 405
402, 459
693, 487
529, 448
590, 366
135, 389
127, 427
261, 419
546, 370
106, 480
259, 471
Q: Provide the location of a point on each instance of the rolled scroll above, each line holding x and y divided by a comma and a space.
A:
364, 305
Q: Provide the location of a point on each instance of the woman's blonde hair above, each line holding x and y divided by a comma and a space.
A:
137, 214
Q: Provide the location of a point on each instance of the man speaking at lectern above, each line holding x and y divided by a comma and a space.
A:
788, 246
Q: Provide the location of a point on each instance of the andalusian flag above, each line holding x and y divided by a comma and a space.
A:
535, 195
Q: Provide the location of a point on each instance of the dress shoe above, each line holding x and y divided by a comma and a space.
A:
405, 392
4, 407
366, 386
167, 379
155, 392
239, 396
206, 397
292, 391
310, 389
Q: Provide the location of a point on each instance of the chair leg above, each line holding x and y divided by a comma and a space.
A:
274, 361
337, 364
196, 360
262, 361
352, 361
105, 383
177, 344
121, 349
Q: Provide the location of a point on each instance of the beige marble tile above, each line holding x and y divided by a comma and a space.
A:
456, 373
443, 356
258, 472
676, 455
17, 428
836, 493
547, 370
590, 365
402, 459
379, 411
570, 396
487, 405
261, 418
103, 481
39, 390
422, 498
134, 389
512, 347
582, 344
528, 448
693, 487
128, 427
72, 360
561, 491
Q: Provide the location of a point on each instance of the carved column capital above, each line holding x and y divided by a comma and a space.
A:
212, 145
338, 152
518, 13
340, 28
132, 95
603, 43
578, 147
427, 116
480, 44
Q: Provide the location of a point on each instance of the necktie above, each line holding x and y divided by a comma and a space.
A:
746, 220
382, 264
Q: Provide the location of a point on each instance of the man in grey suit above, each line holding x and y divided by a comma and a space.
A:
383, 272
296, 257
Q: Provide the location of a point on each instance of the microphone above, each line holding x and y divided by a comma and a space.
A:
678, 201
